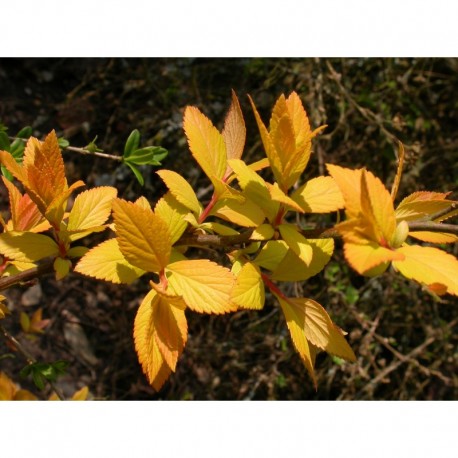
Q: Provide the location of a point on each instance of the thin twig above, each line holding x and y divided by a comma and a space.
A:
26, 275
82, 151
433, 227
444, 212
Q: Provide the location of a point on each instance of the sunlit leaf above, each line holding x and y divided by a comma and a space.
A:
272, 254
204, 285
429, 266
143, 237
171, 329
349, 183
172, 213
254, 187
234, 131
181, 190
205, 142
150, 357
422, 204
245, 214
106, 262
27, 246
319, 328
297, 242
295, 320
319, 195
91, 208
292, 268
434, 237
248, 292
25, 215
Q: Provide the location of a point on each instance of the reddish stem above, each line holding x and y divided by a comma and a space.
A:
272, 286
207, 209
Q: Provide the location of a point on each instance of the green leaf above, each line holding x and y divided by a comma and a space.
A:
6, 174
4, 141
25, 132
38, 379
149, 155
60, 366
137, 173
132, 143
63, 142
17, 149
26, 371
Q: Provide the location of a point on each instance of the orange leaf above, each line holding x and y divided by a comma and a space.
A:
143, 237
171, 329
25, 215
349, 182
429, 266
150, 357
234, 131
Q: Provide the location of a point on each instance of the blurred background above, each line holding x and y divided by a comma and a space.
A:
404, 338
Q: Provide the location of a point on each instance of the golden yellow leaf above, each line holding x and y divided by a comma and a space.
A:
278, 195
349, 183
292, 268
106, 262
271, 254
91, 208
377, 208
24, 395
364, 257
434, 237
295, 320
55, 210
171, 329
269, 147
245, 214
422, 204
143, 202
81, 394
9, 391
32, 148
248, 292
150, 357
319, 195
205, 142
181, 190
234, 131
172, 213
429, 266
254, 187
263, 232
320, 330
27, 246
297, 242
300, 120
7, 388
61, 267
224, 191
204, 285
143, 237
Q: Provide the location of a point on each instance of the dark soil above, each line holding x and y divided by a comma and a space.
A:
404, 339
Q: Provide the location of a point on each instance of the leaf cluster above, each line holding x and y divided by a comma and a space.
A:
258, 223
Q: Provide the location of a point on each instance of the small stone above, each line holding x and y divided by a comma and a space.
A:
32, 296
